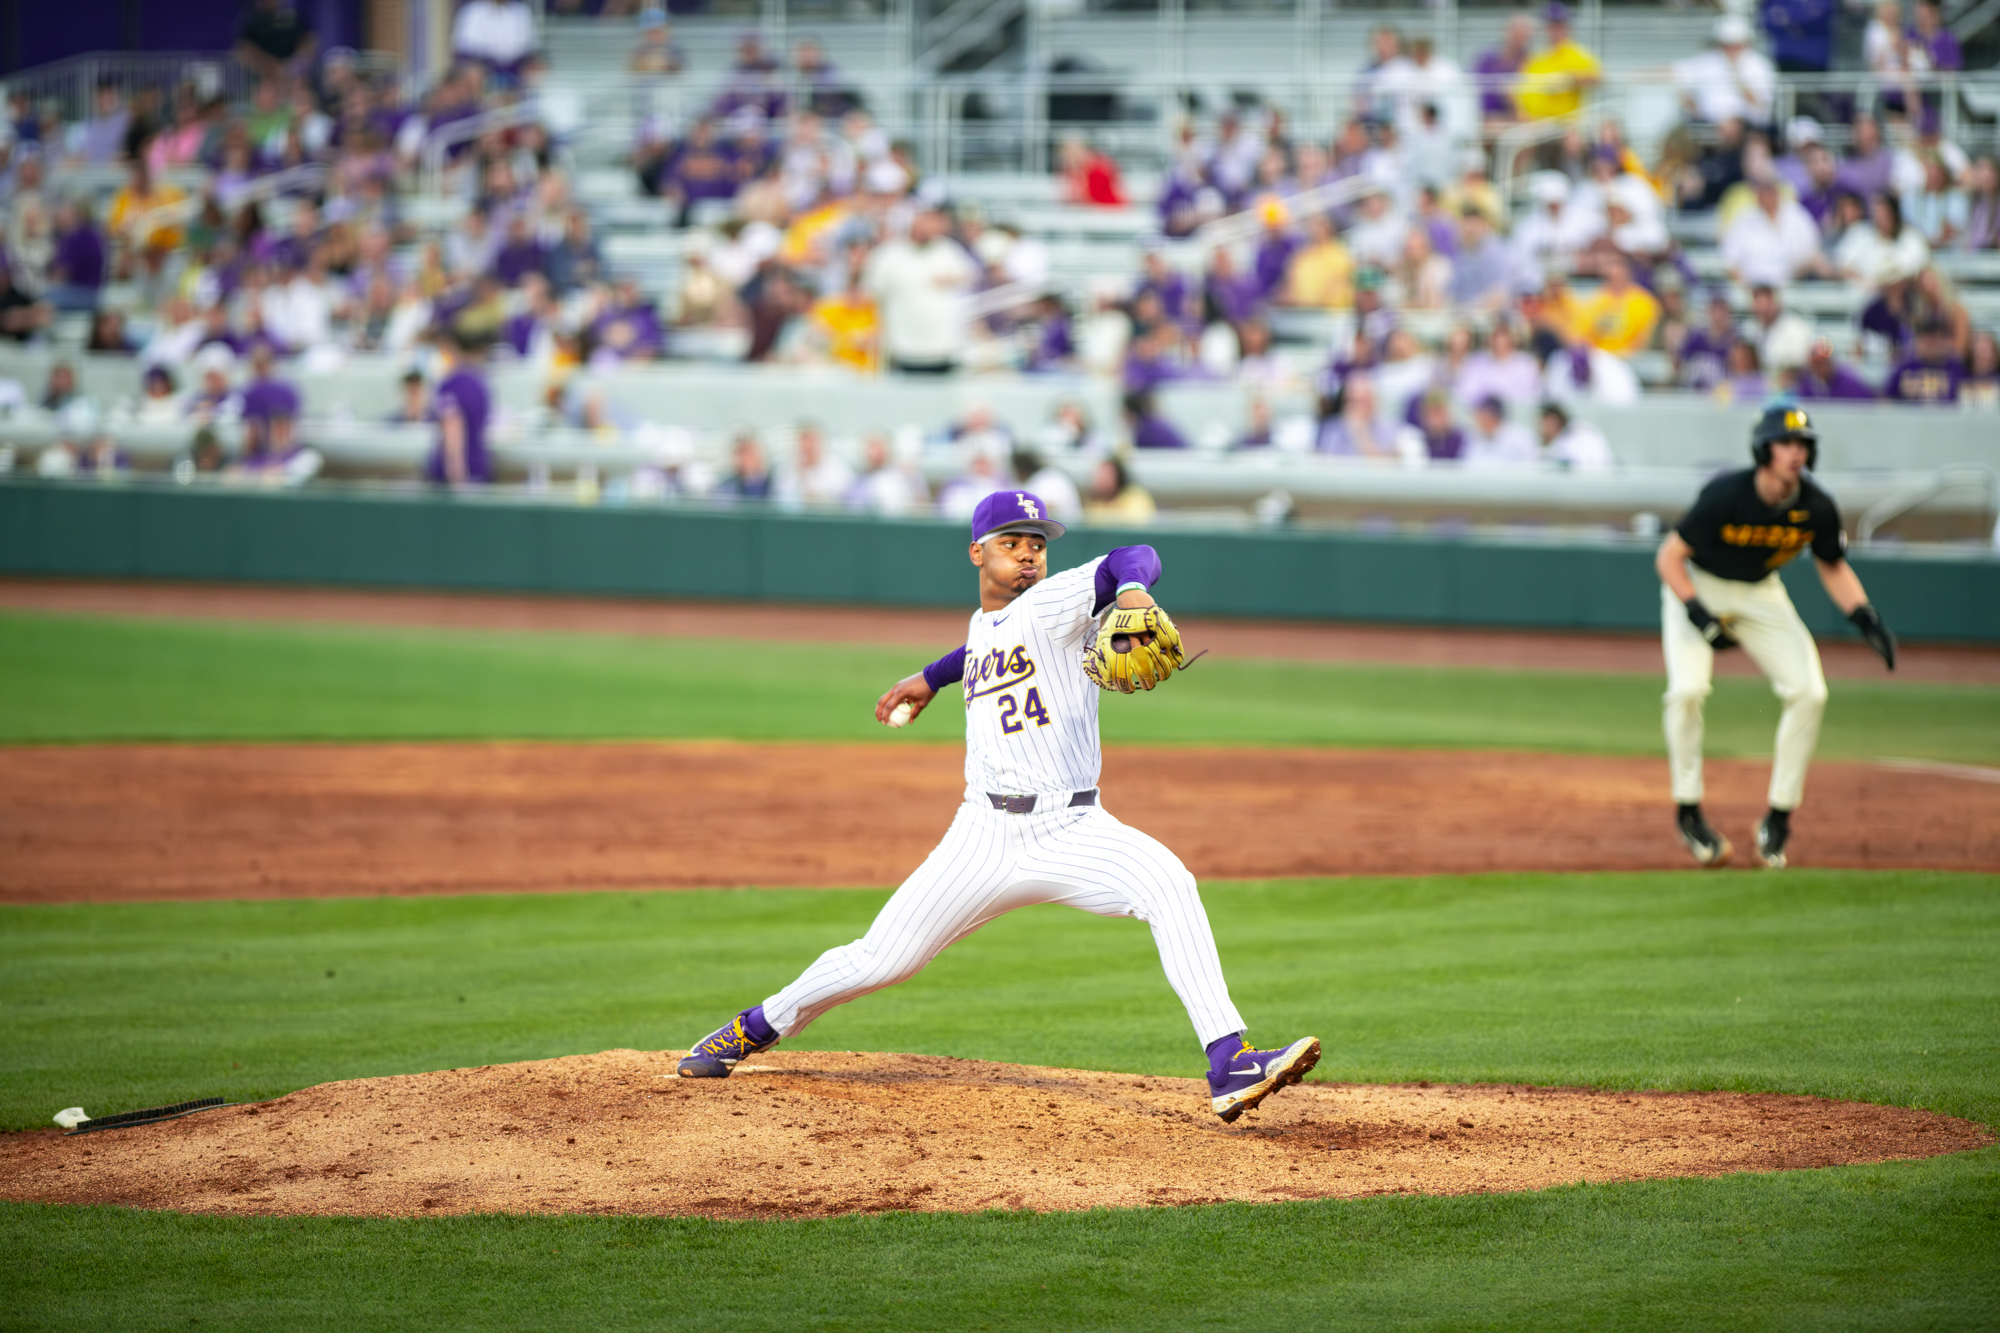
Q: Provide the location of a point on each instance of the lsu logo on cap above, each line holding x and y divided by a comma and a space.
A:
1795, 419
1033, 510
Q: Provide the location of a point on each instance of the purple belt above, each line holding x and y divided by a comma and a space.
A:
1025, 805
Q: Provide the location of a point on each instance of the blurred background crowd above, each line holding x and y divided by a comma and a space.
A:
1456, 266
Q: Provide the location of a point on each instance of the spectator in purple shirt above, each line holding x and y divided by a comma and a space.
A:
1232, 297
1275, 248
1483, 274
1981, 386
520, 253
100, 140
1821, 190
1822, 377
76, 273
270, 414
1870, 165
1149, 360
1801, 34
531, 331
1179, 202
755, 80
574, 262
461, 408
629, 328
1703, 361
1443, 440
1165, 282
1055, 346
1932, 375
701, 168
1496, 71
1149, 429
294, 248
1982, 214
1928, 32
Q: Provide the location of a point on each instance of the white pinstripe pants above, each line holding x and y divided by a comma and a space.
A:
1761, 617
990, 863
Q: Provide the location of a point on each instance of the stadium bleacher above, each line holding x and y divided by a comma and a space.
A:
983, 141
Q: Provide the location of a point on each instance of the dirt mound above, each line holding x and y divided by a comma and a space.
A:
128, 822
805, 1133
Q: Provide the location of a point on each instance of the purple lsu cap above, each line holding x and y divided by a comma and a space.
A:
1557, 12
1013, 511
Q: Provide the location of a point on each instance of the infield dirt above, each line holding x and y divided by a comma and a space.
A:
819, 1133
112, 823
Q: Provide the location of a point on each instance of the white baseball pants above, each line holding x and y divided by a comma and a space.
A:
990, 863
1761, 617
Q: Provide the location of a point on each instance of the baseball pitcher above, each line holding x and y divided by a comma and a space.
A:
1032, 829
1720, 589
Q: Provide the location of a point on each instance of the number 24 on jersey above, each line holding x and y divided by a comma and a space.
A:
1015, 715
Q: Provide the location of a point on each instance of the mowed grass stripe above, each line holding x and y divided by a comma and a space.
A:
1869, 985
1878, 986
67, 678
1898, 1246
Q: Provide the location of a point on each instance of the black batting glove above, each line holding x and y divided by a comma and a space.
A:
1710, 628
1878, 635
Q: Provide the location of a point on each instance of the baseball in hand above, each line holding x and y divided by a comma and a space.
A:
902, 714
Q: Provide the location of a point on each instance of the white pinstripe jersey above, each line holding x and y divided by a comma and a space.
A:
1030, 712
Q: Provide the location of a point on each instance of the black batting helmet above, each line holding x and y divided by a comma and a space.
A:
1783, 421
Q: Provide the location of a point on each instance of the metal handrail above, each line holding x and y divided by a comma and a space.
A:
965, 25
305, 176
1004, 297
1516, 140
1320, 199
440, 141
1898, 503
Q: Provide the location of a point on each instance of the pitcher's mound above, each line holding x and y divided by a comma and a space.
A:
808, 1133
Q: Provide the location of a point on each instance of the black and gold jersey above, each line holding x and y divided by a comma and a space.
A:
1735, 535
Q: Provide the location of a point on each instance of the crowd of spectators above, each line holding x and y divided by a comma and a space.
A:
280, 230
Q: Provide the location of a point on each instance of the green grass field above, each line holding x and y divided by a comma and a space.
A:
1882, 987
65, 678
1877, 986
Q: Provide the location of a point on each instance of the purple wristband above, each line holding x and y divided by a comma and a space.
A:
946, 670
1125, 564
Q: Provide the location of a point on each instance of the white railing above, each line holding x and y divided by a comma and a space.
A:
1900, 502
439, 142
1238, 227
302, 179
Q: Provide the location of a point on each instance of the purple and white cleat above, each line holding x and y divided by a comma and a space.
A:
1240, 1078
717, 1053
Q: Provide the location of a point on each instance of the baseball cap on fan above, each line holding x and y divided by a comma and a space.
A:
1013, 511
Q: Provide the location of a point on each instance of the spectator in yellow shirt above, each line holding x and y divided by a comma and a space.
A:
139, 240
1116, 497
1618, 317
1555, 79
1322, 272
847, 325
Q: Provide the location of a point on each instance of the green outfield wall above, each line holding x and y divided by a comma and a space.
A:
427, 540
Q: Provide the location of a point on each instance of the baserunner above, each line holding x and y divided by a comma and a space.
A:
1719, 587
1032, 828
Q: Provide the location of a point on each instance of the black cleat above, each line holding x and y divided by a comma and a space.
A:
1709, 848
1774, 830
